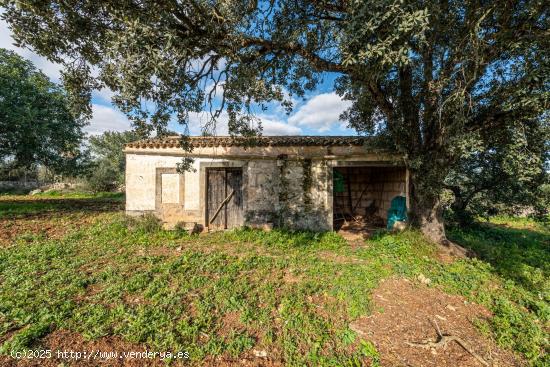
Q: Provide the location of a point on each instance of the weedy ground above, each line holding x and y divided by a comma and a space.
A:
227, 296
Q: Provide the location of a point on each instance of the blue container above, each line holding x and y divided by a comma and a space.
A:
397, 211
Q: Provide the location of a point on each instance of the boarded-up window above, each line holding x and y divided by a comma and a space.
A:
170, 184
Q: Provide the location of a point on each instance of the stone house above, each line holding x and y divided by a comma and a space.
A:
300, 182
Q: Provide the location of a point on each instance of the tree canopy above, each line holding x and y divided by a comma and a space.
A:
36, 125
426, 75
502, 171
108, 160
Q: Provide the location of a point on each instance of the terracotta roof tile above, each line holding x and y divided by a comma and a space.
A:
216, 141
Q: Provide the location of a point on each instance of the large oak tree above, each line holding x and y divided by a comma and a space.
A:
37, 127
422, 74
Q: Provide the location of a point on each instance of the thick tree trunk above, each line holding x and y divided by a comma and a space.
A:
426, 184
459, 209
426, 214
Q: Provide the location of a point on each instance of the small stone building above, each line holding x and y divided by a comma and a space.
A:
299, 182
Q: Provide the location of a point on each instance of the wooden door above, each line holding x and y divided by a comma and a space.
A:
234, 208
215, 195
224, 198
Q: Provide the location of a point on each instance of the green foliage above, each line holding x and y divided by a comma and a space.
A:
369, 350
55, 201
498, 280
148, 223
80, 195
425, 76
285, 239
517, 251
516, 254
294, 294
36, 126
109, 162
14, 191
102, 178
502, 172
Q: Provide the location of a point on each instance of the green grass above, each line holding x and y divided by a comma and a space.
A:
515, 254
54, 201
80, 194
292, 294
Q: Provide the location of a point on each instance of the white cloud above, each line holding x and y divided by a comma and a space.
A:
105, 94
198, 121
321, 112
107, 119
275, 127
271, 125
49, 68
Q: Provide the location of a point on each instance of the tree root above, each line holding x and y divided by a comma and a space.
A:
448, 247
455, 249
443, 340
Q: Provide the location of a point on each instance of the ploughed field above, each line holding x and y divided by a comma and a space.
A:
78, 276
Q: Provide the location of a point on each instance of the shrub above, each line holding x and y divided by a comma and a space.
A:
102, 178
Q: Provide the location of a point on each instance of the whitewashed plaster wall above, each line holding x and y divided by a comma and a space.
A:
141, 178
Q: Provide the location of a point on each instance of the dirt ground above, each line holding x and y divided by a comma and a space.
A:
54, 223
355, 232
406, 312
66, 341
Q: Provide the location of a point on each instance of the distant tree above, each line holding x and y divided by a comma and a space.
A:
36, 124
428, 75
108, 167
502, 172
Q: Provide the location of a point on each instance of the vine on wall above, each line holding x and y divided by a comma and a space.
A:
307, 181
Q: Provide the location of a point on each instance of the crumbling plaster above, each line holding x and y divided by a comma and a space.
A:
283, 186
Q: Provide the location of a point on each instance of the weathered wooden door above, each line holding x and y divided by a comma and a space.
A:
224, 198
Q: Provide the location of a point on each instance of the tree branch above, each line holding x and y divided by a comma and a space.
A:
317, 62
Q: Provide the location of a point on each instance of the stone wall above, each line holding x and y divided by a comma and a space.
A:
286, 193
262, 188
31, 185
303, 195
282, 192
145, 174
141, 178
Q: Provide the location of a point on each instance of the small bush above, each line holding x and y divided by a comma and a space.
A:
102, 178
147, 223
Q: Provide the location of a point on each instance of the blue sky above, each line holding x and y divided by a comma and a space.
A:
317, 114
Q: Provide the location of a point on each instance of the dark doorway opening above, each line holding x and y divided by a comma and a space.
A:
362, 196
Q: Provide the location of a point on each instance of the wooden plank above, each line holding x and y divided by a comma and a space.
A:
215, 195
234, 208
223, 203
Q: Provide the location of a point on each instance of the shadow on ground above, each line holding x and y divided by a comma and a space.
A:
521, 255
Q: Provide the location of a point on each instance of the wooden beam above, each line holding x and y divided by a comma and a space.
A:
225, 201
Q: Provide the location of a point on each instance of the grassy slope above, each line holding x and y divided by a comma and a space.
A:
291, 294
